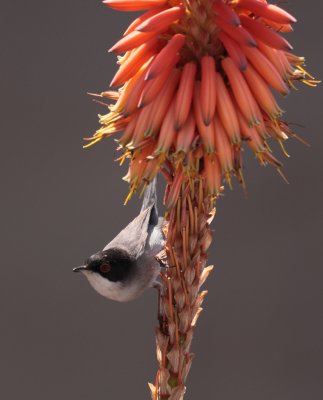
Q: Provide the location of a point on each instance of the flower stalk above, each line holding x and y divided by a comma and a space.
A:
188, 239
196, 86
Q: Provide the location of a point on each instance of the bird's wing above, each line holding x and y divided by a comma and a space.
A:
133, 237
150, 201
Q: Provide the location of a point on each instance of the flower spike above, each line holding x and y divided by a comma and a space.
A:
196, 83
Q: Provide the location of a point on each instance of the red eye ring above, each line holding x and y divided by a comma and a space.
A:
105, 267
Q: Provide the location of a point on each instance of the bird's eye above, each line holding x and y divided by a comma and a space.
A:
105, 267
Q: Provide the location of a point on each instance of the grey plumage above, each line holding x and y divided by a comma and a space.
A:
127, 265
150, 201
134, 236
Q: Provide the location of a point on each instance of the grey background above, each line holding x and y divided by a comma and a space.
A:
260, 336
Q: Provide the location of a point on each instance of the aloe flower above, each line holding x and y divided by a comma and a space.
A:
196, 85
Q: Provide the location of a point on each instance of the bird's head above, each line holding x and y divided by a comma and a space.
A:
110, 273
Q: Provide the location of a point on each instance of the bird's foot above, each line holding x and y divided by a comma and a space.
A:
161, 257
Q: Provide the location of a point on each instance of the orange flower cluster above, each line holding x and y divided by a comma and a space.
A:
196, 82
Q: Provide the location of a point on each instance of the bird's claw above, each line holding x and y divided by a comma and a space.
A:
161, 257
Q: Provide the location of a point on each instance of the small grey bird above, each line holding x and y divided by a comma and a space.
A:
127, 265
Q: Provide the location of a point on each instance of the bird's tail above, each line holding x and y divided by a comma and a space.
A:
150, 201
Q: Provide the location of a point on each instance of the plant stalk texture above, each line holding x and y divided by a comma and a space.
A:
188, 239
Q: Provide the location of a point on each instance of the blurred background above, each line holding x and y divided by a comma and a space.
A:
260, 335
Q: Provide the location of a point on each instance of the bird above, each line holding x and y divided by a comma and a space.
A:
127, 265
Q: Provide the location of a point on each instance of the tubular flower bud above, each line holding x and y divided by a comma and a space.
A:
152, 88
269, 11
129, 68
196, 85
265, 34
226, 111
143, 17
262, 93
226, 13
237, 33
161, 20
206, 132
208, 88
223, 147
184, 94
185, 135
166, 56
212, 172
134, 5
234, 51
241, 91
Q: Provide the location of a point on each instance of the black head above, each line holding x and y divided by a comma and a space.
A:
113, 264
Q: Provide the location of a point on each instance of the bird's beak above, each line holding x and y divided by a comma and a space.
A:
80, 268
